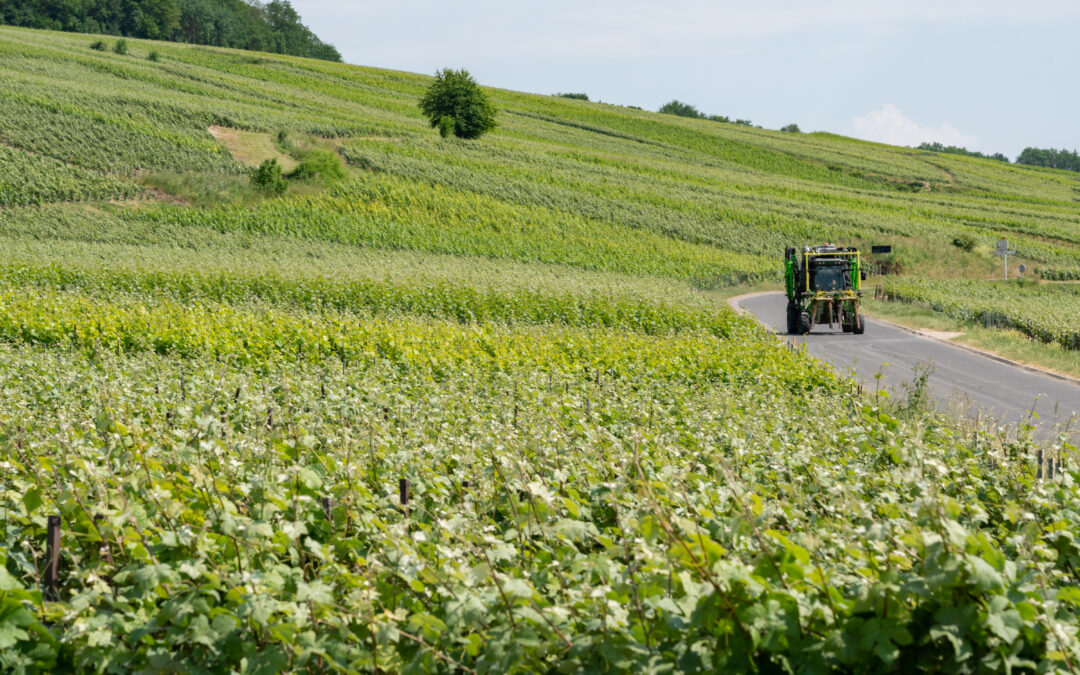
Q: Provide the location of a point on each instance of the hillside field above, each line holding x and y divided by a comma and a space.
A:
475, 407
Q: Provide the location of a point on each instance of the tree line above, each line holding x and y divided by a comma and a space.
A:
677, 107
956, 150
243, 24
1048, 157
1055, 159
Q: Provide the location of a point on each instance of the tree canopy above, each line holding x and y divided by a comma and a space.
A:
271, 27
455, 104
1049, 157
677, 107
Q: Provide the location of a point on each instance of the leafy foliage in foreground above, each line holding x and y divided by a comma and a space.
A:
612, 520
635, 500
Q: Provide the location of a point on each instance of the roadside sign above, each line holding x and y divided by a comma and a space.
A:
1004, 252
1022, 268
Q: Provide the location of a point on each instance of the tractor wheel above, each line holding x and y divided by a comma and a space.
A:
846, 322
804, 323
792, 319
858, 325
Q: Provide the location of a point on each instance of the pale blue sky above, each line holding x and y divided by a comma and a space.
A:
991, 75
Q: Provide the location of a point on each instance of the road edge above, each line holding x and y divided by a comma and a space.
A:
734, 301
981, 352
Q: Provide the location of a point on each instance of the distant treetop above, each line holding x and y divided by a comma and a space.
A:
1054, 159
580, 97
271, 27
955, 150
677, 107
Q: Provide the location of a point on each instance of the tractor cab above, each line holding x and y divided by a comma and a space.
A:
823, 286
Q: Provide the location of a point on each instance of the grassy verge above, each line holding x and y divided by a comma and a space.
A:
1006, 343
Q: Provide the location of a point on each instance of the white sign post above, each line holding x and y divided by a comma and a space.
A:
1004, 252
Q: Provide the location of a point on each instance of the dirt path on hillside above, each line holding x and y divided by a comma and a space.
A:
251, 148
944, 173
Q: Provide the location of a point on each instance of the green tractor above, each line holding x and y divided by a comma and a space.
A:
823, 286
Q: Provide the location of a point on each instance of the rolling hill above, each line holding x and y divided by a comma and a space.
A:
472, 408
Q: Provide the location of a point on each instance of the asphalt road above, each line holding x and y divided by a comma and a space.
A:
959, 379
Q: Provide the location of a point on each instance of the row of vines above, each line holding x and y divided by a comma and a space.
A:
283, 490
1047, 313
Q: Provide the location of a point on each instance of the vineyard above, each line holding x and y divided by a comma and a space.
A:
715, 202
1047, 313
228, 471
30, 180
475, 408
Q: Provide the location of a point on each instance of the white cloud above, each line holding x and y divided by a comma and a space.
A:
891, 126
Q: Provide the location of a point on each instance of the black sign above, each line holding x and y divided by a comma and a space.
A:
881, 249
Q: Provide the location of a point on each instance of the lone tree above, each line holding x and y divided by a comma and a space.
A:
455, 104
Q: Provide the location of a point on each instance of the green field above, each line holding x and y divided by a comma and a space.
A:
1048, 313
220, 392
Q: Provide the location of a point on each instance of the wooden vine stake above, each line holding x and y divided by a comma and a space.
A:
327, 508
403, 494
50, 580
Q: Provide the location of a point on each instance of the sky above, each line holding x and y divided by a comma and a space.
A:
989, 75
